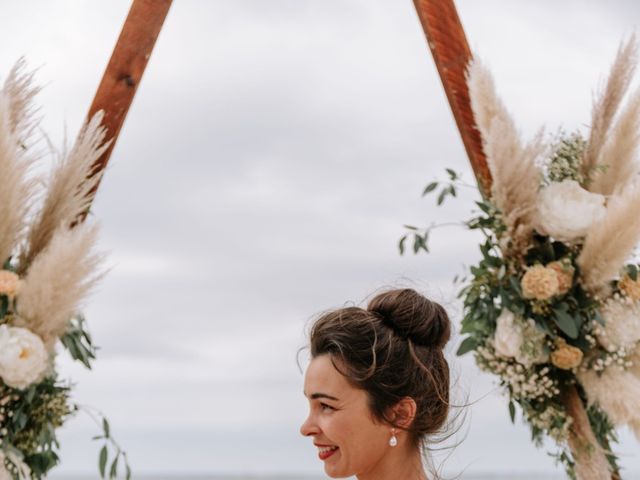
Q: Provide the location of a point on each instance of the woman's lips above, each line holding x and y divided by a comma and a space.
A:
326, 452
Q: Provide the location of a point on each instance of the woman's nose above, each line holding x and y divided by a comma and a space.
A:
308, 428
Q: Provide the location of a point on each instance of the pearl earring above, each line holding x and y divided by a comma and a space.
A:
393, 441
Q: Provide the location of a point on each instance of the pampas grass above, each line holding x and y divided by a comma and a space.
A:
70, 189
611, 240
621, 406
18, 189
513, 167
607, 102
58, 280
618, 156
20, 90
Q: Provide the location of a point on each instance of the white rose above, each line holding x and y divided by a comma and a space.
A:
23, 357
508, 338
566, 210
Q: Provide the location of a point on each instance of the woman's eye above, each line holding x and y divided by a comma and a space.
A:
326, 407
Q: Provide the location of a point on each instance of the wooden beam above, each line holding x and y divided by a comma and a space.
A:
448, 44
125, 68
450, 49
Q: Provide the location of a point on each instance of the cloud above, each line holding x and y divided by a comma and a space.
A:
263, 175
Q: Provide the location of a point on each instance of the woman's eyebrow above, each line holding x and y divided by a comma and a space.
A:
315, 396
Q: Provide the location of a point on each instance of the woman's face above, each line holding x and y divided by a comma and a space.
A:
349, 440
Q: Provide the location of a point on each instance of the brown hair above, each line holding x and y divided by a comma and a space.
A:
392, 349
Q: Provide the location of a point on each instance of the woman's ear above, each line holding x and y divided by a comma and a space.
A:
404, 412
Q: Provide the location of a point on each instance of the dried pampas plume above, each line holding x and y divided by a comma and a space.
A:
620, 407
611, 240
58, 280
618, 156
18, 189
20, 90
70, 189
607, 102
513, 168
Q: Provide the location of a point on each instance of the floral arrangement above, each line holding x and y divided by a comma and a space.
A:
48, 266
554, 302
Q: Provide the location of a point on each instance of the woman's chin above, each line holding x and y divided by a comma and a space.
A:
335, 471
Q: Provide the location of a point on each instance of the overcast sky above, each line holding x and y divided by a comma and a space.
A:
271, 156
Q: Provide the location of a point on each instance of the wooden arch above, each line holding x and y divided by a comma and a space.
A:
448, 44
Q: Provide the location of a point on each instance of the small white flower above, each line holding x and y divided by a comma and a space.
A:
508, 337
566, 210
23, 357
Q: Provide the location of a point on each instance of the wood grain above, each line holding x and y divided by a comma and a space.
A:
125, 68
448, 44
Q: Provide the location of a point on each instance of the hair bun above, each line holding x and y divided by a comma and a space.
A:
413, 316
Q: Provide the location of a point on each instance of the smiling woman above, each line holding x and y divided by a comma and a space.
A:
378, 386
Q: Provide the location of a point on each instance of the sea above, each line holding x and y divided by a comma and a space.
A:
463, 476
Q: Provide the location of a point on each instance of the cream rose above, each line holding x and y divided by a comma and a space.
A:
508, 337
9, 283
23, 357
566, 356
564, 272
566, 210
540, 283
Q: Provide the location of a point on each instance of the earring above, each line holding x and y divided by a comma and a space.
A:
393, 441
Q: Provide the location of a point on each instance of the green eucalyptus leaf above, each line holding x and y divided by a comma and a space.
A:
102, 461
512, 411
467, 345
4, 305
632, 270
401, 244
566, 323
113, 471
430, 188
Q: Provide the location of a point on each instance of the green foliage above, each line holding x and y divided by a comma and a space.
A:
447, 188
563, 457
632, 271
31, 429
605, 433
36, 413
566, 316
78, 341
111, 457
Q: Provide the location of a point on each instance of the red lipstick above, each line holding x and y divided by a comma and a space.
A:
326, 452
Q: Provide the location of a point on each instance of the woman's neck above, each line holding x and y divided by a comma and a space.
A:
397, 464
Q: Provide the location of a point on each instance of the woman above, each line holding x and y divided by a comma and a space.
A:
378, 386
